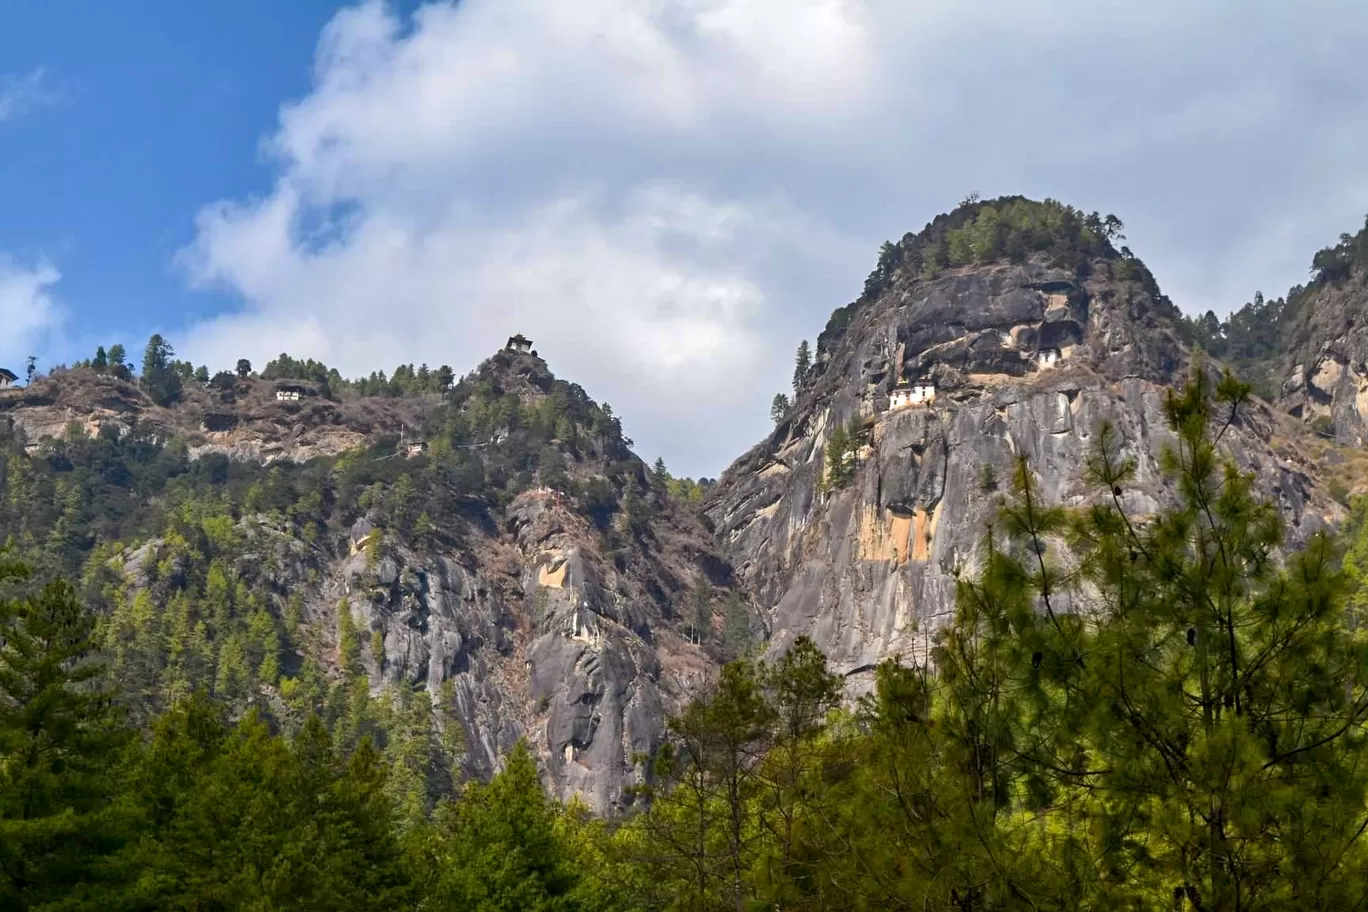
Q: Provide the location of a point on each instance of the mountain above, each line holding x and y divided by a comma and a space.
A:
294, 544
450, 567
1308, 351
1025, 328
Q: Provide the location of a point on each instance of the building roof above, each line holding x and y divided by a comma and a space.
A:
519, 339
8, 375
298, 385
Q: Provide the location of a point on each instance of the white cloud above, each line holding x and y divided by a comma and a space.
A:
640, 299
18, 94
28, 313
668, 194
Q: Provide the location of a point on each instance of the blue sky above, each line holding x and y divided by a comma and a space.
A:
666, 194
143, 112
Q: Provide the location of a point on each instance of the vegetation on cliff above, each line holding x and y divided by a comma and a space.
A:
1011, 229
1257, 336
205, 573
1164, 712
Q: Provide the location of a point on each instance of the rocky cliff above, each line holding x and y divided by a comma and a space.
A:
1026, 354
242, 419
510, 556
1321, 370
1308, 350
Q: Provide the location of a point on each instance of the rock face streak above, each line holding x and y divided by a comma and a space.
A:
1026, 359
532, 641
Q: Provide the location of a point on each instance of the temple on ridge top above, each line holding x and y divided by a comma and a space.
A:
519, 343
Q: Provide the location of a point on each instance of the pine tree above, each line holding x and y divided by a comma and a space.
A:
159, 379
1200, 707
736, 627
802, 693
802, 366
700, 612
840, 459
497, 848
701, 838
60, 738
780, 408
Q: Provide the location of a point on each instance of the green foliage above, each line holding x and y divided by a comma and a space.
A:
802, 367
286, 368
60, 824
737, 638
1249, 337
1150, 713
780, 408
691, 491
1010, 228
842, 454
1336, 264
1253, 338
161, 382
405, 381
1164, 713
700, 613
499, 848
234, 817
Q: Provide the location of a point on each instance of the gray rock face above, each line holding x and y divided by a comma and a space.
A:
529, 633
1323, 377
536, 639
868, 570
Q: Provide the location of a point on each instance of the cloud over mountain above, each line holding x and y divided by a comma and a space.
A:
668, 195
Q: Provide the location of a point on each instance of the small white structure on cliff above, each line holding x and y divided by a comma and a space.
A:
1048, 357
918, 392
7, 378
289, 392
519, 343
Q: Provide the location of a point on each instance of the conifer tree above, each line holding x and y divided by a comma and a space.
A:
60, 739
780, 408
497, 848
159, 379
802, 692
802, 366
1200, 704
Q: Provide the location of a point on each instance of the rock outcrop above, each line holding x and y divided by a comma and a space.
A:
1026, 358
534, 602
243, 421
1321, 375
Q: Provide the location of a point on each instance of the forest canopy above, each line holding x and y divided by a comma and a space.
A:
1156, 713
